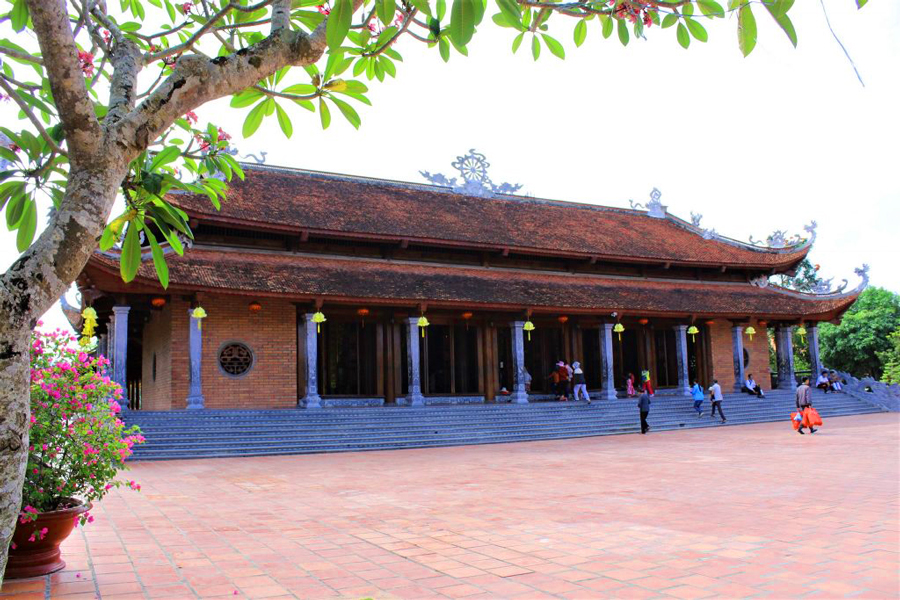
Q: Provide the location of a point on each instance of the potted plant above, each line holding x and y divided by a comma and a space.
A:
77, 446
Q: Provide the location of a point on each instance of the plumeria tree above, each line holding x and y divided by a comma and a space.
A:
106, 89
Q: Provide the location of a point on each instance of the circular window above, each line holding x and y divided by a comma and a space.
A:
235, 359
746, 358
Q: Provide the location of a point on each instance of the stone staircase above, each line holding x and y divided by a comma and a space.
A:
220, 433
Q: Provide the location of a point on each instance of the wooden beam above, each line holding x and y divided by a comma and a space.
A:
404, 244
505, 252
304, 235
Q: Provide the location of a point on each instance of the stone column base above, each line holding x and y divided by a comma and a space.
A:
311, 401
195, 402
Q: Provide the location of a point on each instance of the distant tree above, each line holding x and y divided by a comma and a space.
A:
859, 345
891, 359
805, 280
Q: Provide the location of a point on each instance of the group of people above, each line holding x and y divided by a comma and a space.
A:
697, 393
829, 381
569, 379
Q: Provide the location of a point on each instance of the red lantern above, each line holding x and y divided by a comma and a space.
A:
363, 312
158, 302
710, 322
254, 306
562, 319
763, 323
643, 321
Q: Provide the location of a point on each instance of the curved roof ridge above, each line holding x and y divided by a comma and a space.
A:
862, 272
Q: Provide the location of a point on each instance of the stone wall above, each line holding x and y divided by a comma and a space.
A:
156, 391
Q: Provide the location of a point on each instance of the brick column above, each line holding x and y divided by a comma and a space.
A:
414, 396
607, 385
195, 400
681, 355
519, 395
812, 338
784, 349
310, 341
120, 350
737, 349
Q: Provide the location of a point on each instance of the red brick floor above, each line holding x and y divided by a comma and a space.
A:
751, 511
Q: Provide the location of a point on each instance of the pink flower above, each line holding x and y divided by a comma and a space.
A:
191, 116
106, 35
186, 8
325, 11
87, 62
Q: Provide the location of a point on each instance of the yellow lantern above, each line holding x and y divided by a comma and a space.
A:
423, 323
693, 331
751, 332
318, 319
199, 314
528, 327
619, 328
90, 322
802, 331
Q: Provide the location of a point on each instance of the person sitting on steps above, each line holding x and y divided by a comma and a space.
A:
751, 387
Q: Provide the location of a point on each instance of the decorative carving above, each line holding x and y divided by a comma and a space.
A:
708, 234
473, 168
863, 272
259, 161
655, 208
779, 238
811, 230
762, 281
235, 359
695, 219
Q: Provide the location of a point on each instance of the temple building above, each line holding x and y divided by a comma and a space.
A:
322, 290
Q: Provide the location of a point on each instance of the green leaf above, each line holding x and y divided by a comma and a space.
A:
518, 42
535, 47
254, 119
580, 33
861, 3
697, 30
301, 89
779, 13
168, 154
746, 29
683, 37
669, 20
554, 46
19, 15
511, 10
462, 21
607, 23
338, 23
422, 5
130, 260
159, 260
348, 111
27, 226
284, 121
441, 10
386, 10
324, 113
711, 9
245, 98
623, 32
15, 208
444, 49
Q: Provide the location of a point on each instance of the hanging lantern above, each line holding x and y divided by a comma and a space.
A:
762, 323
466, 316
529, 327
199, 314
710, 323
562, 319
318, 318
751, 332
254, 306
693, 331
157, 302
802, 331
643, 321
423, 323
363, 313
90, 323
619, 328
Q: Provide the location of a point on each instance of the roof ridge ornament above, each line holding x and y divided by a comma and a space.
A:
823, 288
473, 168
655, 208
708, 234
779, 239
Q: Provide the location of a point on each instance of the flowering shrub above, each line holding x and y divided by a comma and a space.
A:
77, 443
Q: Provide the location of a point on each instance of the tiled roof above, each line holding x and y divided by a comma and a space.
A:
306, 277
321, 203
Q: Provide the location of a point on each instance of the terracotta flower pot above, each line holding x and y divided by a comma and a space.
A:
42, 556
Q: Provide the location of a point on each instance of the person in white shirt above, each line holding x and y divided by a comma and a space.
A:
823, 383
836, 384
751, 387
716, 399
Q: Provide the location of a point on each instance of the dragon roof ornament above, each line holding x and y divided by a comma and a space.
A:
823, 288
473, 169
655, 208
779, 238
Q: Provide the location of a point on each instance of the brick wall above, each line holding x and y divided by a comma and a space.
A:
156, 392
722, 356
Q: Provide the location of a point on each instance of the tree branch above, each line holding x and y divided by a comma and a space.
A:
21, 55
127, 63
281, 15
31, 116
76, 111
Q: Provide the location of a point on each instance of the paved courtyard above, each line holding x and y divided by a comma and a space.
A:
749, 511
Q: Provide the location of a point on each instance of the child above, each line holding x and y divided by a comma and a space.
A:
629, 385
579, 382
697, 394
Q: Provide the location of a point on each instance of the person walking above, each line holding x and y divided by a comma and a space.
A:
629, 386
643, 404
716, 399
562, 379
804, 401
646, 386
579, 382
570, 383
697, 394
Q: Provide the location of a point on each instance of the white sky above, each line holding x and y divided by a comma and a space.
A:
757, 144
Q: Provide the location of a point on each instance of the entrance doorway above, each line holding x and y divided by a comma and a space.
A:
348, 359
546, 348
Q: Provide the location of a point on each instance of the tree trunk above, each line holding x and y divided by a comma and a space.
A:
27, 290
